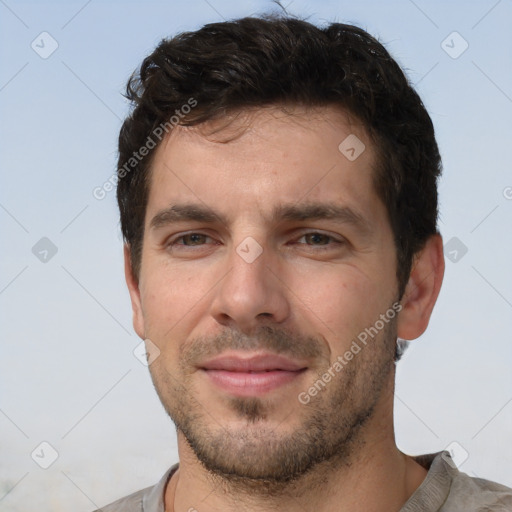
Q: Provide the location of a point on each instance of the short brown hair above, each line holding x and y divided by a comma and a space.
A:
265, 61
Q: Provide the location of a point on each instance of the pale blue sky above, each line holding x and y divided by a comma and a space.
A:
67, 372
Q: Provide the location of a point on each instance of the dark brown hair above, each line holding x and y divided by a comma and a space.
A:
256, 62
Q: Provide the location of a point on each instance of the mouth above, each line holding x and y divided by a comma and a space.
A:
251, 375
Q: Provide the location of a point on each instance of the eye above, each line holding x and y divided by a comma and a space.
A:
315, 239
189, 240
193, 239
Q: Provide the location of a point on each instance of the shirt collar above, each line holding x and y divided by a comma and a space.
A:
153, 500
430, 495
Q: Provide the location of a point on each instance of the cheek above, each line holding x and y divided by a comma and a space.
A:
169, 292
166, 301
340, 301
175, 301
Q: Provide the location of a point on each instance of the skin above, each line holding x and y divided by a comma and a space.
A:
305, 296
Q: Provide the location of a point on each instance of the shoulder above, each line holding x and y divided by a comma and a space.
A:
471, 493
131, 503
150, 499
446, 489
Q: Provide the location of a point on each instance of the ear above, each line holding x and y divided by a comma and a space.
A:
133, 288
422, 289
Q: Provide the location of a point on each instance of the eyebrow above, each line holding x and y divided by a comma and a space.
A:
191, 212
185, 212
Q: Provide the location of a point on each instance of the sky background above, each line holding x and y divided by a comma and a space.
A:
68, 375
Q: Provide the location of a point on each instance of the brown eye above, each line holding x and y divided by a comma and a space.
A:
190, 240
317, 239
193, 239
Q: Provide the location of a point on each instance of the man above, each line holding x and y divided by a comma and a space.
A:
278, 197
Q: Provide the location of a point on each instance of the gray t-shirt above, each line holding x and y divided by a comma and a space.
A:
445, 489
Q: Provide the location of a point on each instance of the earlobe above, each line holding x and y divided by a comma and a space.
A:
133, 288
422, 289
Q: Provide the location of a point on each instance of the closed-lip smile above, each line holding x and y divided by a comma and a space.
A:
243, 374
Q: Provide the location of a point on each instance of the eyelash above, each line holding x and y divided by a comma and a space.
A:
333, 240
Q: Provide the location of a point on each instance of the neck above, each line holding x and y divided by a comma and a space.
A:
377, 477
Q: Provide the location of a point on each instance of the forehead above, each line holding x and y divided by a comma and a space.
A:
252, 161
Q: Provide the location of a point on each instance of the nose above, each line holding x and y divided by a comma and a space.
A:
251, 294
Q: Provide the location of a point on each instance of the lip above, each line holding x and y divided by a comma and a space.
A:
251, 375
252, 363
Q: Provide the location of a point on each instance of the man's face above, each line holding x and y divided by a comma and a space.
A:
266, 253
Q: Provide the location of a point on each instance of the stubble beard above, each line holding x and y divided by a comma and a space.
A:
256, 455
